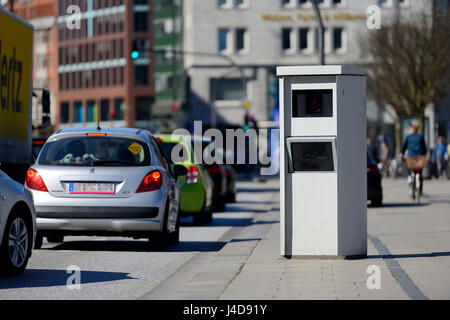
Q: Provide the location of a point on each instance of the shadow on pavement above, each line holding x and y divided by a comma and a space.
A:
35, 278
243, 209
227, 222
192, 246
410, 255
403, 204
254, 190
136, 246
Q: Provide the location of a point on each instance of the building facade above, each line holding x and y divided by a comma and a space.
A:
96, 78
42, 15
255, 36
168, 57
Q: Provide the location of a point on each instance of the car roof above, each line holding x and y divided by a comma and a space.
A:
117, 132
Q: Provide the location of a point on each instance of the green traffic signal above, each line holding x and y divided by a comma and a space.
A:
134, 54
245, 127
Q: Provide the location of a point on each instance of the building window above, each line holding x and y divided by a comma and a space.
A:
228, 89
224, 4
223, 39
107, 76
241, 4
385, 3
119, 108
121, 49
104, 109
142, 45
140, 21
121, 19
338, 39
64, 112
87, 77
141, 75
303, 39
286, 39
80, 80
91, 111
78, 112
100, 77
122, 80
241, 41
143, 108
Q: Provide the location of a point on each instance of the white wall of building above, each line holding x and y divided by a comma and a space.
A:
263, 21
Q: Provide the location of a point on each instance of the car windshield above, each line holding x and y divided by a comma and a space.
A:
168, 147
95, 151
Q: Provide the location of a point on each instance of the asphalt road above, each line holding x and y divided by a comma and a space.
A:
123, 268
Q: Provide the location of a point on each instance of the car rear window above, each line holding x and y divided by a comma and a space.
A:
95, 151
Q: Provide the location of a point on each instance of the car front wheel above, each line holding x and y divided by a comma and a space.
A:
16, 245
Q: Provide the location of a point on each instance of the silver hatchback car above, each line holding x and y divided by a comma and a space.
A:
110, 181
17, 226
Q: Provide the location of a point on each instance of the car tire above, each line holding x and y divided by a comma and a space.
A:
12, 262
39, 240
55, 238
221, 205
208, 214
199, 218
158, 239
174, 237
232, 197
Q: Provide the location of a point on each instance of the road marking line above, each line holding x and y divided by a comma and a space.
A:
399, 274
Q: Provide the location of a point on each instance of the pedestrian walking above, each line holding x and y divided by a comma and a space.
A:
439, 156
384, 156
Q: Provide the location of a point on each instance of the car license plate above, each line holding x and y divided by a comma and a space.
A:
88, 187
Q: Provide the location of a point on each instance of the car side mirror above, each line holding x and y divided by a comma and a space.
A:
179, 170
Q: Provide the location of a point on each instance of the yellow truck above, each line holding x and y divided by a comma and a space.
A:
16, 89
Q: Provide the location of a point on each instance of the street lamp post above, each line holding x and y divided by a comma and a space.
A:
321, 33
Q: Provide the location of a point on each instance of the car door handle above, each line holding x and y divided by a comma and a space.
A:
2, 197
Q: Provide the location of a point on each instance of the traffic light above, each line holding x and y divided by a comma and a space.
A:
134, 54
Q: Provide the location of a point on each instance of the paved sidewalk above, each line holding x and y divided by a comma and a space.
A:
409, 244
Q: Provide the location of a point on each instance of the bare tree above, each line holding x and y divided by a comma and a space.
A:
410, 65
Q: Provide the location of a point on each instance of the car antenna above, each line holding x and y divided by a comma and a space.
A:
98, 117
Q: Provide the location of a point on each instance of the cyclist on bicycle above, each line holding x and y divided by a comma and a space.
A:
414, 145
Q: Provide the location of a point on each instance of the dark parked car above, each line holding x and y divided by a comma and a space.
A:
374, 190
217, 172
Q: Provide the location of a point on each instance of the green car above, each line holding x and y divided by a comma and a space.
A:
197, 186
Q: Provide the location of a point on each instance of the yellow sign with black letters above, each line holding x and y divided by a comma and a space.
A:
16, 46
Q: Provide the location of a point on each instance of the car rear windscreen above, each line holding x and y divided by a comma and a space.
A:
95, 151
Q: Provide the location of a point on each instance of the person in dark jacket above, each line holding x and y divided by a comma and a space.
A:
414, 145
